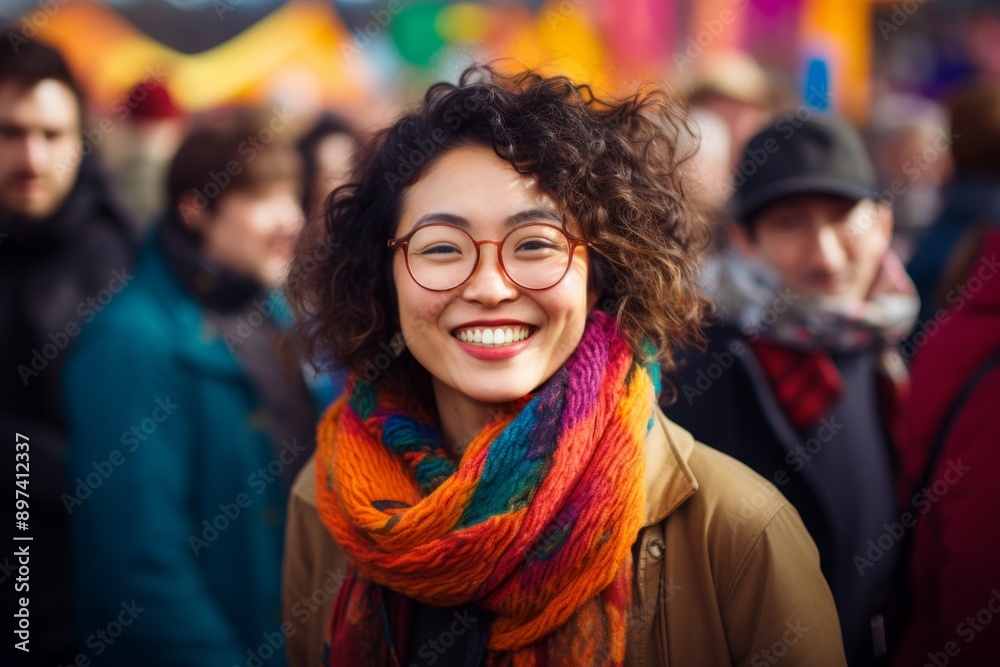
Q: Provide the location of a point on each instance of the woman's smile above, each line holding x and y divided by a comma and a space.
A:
489, 337
494, 340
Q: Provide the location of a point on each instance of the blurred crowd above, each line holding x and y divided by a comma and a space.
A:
852, 361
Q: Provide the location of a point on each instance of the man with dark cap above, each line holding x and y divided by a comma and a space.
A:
64, 253
801, 379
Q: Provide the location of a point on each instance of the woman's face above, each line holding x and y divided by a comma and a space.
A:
471, 187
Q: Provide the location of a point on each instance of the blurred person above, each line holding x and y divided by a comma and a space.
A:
949, 458
326, 151
504, 478
970, 199
979, 31
709, 175
152, 129
178, 401
911, 150
801, 379
730, 98
65, 249
732, 86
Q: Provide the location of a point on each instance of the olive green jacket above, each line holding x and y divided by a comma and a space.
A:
724, 573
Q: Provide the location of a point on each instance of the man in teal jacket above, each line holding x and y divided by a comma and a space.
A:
185, 429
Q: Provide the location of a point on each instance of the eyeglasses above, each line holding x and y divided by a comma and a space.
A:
441, 257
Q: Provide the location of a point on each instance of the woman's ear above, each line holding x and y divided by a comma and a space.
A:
593, 296
596, 273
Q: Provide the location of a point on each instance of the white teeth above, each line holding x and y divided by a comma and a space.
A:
493, 337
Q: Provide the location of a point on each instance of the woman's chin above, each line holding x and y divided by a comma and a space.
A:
493, 390
497, 397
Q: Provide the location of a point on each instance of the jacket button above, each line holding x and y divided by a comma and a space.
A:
655, 548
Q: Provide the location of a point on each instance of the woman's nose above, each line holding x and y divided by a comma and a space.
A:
489, 284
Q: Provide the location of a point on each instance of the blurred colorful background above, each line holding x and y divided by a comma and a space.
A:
350, 53
888, 66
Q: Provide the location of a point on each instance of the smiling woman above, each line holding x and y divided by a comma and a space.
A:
510, 469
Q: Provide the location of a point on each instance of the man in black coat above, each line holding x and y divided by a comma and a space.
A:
65, 252
801, 379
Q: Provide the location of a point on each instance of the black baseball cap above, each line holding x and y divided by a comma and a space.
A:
818, 155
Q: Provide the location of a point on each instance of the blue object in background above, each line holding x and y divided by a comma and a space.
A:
816, 85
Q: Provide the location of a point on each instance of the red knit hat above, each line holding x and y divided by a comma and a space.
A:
152, 101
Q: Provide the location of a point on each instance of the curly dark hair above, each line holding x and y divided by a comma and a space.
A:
613, 165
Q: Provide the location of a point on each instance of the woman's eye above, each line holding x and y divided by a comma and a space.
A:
439, 250
535, 245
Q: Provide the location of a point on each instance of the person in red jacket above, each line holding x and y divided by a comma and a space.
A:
953, 569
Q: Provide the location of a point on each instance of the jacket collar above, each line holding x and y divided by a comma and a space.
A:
669, 479
206, 351
216, 288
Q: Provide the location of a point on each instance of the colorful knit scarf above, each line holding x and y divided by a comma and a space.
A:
535, 524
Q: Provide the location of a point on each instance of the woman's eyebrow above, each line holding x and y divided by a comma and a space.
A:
515, 220
532, 215
435, 217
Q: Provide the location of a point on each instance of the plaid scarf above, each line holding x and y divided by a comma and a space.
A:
793, 334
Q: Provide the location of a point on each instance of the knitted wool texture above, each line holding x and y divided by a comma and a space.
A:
535, 524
